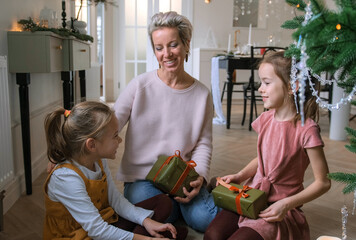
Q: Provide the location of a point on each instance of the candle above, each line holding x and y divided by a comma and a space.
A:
235, 42
249, 35
63, 4
328, 238
228, 45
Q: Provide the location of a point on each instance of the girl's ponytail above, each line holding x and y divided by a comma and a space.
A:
56, 145
67, 131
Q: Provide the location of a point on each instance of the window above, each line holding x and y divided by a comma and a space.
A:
81, 10
136, 37
100, 33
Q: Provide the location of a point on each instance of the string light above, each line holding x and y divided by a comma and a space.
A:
338, 26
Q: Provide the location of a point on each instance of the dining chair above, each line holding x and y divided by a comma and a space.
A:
250, 89
234, 83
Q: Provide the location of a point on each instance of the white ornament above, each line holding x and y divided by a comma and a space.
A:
344, 214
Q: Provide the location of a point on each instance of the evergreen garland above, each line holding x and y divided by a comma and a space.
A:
30, 25
330, 40
105, 2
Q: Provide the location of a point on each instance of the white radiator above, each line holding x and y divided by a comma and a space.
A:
6, 156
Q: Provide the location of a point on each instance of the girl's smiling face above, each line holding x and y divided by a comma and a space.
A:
109, 142
169, 49
272, 88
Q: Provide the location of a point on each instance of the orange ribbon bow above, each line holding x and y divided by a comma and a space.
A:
241, 193
190, 164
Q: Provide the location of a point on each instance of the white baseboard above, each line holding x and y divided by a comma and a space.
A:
17, 187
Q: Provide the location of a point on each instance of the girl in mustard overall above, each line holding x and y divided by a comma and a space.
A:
81, 199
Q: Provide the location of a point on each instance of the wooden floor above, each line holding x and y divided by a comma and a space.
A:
233, 149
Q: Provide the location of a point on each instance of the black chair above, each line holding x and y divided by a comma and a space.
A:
250, 89
234, 83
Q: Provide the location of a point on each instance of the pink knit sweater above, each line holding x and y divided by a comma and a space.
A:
162, 120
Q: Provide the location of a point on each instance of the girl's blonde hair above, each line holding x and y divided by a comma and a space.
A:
282, 68
66, 136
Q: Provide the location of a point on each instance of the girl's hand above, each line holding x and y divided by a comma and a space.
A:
275, 213
153, 227
229, 178
196, 185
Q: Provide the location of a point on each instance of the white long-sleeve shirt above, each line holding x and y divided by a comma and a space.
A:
67, 187
162, 120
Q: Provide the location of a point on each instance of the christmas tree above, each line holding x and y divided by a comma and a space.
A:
329, 39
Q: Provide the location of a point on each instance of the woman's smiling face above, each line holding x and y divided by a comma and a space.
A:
169, 49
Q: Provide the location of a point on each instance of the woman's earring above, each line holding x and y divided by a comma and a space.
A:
186, 57
159, 65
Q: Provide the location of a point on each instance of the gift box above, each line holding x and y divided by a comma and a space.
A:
246, 201
171, 173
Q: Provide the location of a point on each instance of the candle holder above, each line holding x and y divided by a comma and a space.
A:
64, 24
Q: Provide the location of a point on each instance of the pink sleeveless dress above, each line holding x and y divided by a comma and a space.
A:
282, 161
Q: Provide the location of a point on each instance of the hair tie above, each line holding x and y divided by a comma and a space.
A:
66, 113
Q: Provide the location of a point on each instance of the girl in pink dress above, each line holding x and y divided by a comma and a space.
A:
284, 149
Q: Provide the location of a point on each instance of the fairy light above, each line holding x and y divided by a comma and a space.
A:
338, 26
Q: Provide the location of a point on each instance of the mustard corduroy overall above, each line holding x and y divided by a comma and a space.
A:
59, 223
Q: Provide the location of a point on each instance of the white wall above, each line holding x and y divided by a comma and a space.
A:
45, 93
218, 16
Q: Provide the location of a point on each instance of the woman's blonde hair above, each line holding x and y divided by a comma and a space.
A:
66, 136
282, 68
172, 20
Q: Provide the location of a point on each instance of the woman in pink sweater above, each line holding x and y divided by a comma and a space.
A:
168, 110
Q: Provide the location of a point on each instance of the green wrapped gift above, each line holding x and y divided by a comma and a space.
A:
246, 201
172, 173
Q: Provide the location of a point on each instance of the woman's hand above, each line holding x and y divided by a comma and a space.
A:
153, 228
276, 212
196, 185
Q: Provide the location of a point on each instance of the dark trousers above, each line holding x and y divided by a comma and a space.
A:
225, 226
